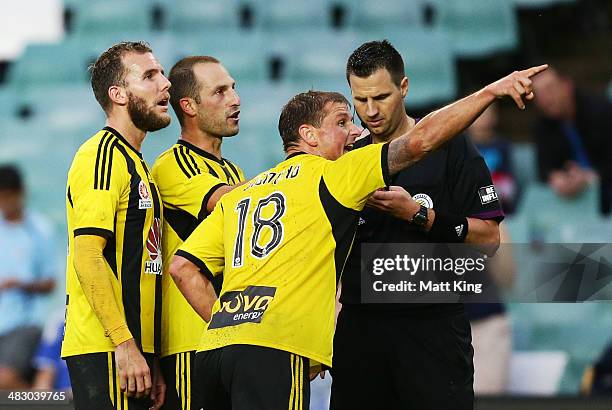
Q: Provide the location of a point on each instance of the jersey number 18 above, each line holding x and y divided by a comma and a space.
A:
278, 200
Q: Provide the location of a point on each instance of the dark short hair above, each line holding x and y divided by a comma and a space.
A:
10, 178
185, 83
108, 70
372, 56
305, 108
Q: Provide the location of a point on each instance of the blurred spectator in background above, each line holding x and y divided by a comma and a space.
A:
490, 322
497, 153
573, 137
26, 270
51, 370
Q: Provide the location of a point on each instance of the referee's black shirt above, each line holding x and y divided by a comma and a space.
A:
451, 177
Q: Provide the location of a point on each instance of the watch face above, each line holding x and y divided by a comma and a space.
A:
420, 218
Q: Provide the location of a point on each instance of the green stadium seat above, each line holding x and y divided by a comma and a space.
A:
478, 28
64, 108
429, 65
546, 211
40, 64
315, 55
112, 16
524, 161
8, 102
191, 16
282, 15
243, 53
366, 15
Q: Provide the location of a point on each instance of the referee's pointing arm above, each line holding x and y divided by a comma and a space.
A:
443, 124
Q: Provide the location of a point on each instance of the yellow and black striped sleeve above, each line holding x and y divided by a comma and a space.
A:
204, 247
182, 182
96, 183
352, 178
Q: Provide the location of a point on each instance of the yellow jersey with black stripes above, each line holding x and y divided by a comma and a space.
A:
281, 242
111, 193
186, 177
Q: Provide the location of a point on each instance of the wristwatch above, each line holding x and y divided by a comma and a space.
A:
420, 218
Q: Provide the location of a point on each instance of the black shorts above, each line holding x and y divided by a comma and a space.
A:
397, 361
244, 377
179, 374
95, 383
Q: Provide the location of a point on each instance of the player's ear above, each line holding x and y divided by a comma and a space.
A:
308, 134
404, 86
188, 106
118, 94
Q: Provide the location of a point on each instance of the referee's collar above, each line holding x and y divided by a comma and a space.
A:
122, 139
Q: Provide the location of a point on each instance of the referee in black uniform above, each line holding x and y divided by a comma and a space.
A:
409, 356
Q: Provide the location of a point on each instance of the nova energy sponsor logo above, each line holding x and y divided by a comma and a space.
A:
245, 306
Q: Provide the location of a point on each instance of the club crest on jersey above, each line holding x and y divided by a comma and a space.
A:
239, 307
487, 194
145, 201
423, 199
154, 264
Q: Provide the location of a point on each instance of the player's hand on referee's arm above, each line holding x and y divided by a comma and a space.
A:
134, 374
517, 85
395, 201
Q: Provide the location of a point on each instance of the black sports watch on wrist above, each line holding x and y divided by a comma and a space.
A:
420, 218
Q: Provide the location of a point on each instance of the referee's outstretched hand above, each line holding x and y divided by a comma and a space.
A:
517, 85
134, 373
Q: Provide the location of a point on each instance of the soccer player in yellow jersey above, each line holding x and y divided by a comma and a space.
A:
113, 273
191, 177
281, 242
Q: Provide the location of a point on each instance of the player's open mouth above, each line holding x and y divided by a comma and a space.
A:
235, 115
348, 147
164, 102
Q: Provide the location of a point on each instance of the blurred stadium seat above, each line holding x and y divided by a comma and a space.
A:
43, 64
478, 28
429, 65
382, 15
524, 161
8, 105
546, 209
282, 15
77, 107
320, 56
112, 16
192, 16
244, 54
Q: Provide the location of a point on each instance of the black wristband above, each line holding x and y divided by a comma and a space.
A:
448, 228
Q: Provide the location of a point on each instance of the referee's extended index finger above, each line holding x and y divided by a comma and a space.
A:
530, 72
